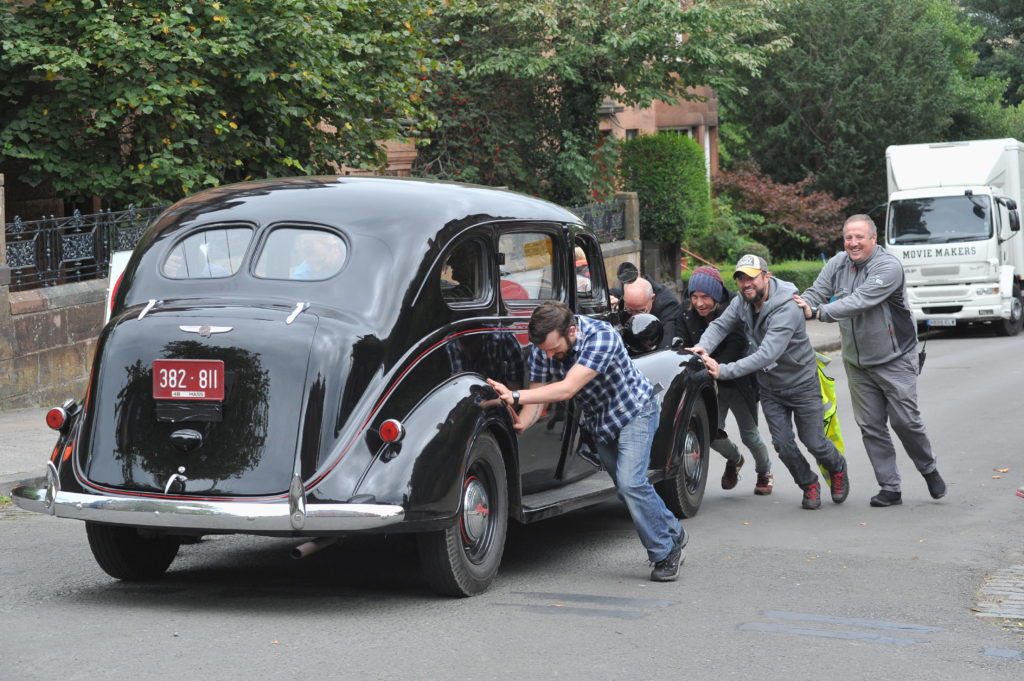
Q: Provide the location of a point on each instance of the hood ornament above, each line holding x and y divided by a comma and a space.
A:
205, 330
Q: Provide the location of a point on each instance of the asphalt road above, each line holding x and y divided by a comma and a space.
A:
768, 591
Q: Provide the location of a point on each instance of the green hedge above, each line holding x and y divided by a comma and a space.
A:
668, 174
801, 273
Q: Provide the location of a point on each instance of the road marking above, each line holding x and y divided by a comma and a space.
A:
828, 633
602, 600
847, 624
853, 622
1002, 652
555, 609
612, 607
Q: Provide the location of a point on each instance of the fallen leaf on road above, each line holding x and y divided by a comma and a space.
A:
1002, 470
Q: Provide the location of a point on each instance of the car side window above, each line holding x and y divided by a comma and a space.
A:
209, 254
463, 275
301, 253
528, 271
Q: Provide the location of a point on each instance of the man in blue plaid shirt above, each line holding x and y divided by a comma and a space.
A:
577, 355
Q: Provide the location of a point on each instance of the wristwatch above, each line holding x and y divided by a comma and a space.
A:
515, 398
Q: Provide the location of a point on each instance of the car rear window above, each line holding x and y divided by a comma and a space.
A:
209, 254
301, 253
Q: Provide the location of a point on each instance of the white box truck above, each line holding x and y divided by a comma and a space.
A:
952, 220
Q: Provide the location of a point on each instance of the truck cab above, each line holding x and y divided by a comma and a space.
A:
952, 220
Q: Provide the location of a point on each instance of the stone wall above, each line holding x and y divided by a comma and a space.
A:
47, 342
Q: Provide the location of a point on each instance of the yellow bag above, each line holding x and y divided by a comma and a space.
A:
828, 404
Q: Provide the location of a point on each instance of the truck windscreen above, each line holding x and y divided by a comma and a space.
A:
940, 220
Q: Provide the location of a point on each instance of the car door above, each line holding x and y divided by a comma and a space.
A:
535, 265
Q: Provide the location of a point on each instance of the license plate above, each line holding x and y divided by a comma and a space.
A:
188, 379
941, 322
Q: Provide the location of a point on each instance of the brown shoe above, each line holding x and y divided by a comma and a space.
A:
732, 473
765, 483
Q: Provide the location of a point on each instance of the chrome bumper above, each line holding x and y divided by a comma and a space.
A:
243, 517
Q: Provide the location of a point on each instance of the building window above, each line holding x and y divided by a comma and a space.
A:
632, 133
688, 131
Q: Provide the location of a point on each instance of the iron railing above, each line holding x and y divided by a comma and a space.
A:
55, 251
608, 219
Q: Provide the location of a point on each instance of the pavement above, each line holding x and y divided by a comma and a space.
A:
26, 442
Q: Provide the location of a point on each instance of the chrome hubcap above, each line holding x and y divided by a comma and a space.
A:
476, 510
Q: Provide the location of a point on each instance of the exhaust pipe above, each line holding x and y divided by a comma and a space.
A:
312, 546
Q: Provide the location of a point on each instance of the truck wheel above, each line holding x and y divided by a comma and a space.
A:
463, 559
684, 492
1012, 326
125, 554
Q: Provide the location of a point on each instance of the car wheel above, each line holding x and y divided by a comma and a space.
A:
1012, 326
684, 492
125, 554
463, 559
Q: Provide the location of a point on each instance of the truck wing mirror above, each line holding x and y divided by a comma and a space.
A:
1014, 221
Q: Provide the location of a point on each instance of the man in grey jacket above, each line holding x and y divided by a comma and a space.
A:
867, 288
787, 374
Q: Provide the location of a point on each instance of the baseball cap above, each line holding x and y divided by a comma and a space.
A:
751, 265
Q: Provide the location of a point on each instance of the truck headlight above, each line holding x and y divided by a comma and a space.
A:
987, 290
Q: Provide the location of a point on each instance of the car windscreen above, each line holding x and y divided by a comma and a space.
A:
939, 220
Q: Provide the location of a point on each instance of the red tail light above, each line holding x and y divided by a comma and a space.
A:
56, 418
391, 431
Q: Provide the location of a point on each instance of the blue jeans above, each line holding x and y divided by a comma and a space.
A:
627, 459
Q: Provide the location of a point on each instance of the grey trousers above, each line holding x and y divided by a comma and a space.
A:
800, 405
732, 399
883, 394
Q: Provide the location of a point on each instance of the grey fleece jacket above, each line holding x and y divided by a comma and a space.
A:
784, 357
875, 324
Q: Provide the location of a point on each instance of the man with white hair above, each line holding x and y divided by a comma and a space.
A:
644, 296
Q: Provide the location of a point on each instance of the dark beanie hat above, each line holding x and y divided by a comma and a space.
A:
707, 280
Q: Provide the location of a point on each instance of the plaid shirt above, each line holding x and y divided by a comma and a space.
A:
615, 396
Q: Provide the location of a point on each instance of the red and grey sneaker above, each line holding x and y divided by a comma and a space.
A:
765, 483
812, 496
840, 486
1020, 492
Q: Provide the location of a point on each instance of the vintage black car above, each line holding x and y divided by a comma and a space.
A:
306, 357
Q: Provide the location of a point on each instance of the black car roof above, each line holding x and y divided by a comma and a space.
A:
407, 209
396, 228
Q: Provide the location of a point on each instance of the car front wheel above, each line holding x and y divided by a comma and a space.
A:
684, 492
463, 559
125, 554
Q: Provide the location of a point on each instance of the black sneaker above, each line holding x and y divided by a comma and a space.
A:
667, 569
732, 473
812, 496
840, 486
936, 485
887, 498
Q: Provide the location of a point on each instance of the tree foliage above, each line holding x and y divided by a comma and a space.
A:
861, 75
1001, 46
149, 100
524, 112
797, 221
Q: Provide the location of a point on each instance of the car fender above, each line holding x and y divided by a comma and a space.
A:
683, 379
423, 471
